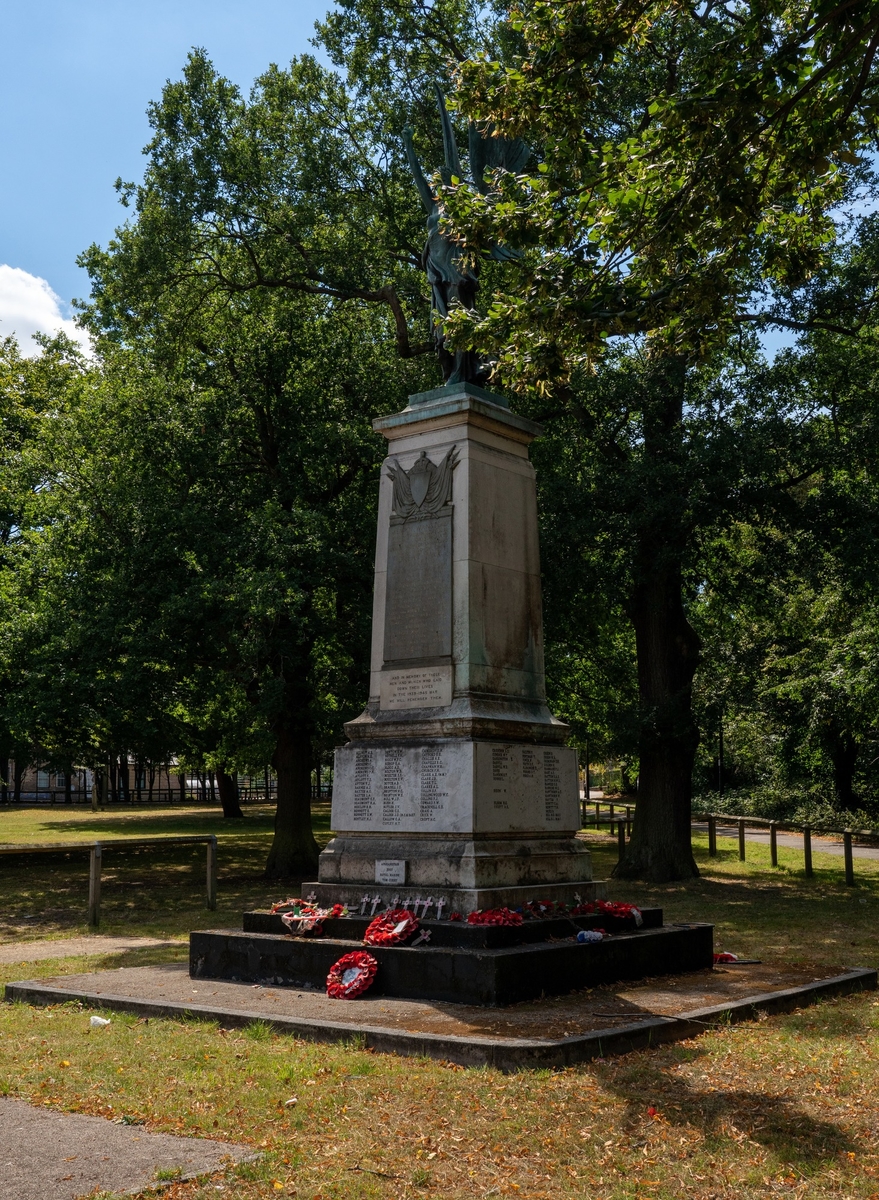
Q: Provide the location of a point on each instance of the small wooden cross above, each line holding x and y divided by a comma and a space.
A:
376, 901
440, 905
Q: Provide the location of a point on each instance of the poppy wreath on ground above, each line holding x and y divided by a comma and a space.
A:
609, 908
307, 918
351, 975
726, 957
455, 916
494, 916
391, 927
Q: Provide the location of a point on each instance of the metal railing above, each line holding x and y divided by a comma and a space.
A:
619, 818
96, 855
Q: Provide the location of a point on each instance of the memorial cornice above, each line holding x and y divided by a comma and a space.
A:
456, 404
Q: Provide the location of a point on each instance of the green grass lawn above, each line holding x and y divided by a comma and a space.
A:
159, 892
785, 1106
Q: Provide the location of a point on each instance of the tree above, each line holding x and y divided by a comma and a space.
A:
689, 161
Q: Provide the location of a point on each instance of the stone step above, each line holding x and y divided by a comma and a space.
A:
459, 933
493, 976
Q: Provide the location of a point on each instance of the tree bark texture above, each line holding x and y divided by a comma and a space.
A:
227, 786
666, 644
294, 851
844, 752
5, 773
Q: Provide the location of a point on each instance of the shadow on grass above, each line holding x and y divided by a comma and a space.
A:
775, 1123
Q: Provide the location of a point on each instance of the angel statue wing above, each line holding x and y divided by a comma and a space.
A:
488, 152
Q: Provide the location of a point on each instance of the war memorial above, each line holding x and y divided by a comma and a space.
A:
456, 793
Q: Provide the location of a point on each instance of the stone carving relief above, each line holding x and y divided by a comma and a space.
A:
425, 489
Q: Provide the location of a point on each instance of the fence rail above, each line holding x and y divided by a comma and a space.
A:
96, 850
621, 816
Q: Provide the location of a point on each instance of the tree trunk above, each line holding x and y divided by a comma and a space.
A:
151, 779
228, 789
294, 851
845, 754
68, 784
5, 762
17, 776
138, 781
181, 783
666, 644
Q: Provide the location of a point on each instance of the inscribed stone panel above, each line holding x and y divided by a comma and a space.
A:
418, 605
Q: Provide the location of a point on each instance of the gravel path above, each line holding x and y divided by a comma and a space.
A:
793, 841
23, 952
60, 1156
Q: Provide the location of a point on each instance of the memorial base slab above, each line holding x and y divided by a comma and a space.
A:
465, 965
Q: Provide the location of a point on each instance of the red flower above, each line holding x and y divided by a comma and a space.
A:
455, 916
351, 975
494, 916
651, 1111
338, 910
391, 928
726, 957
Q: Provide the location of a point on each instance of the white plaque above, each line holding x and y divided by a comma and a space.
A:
390, 870
416, 687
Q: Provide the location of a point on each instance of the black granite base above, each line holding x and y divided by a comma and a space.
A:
470, 937
483, 971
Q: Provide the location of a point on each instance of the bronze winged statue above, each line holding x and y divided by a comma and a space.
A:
451, 280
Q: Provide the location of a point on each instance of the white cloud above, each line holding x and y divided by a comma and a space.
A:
27, 306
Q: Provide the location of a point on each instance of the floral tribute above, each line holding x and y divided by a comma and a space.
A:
305, 917
494, 916
351, 975
726, 957
546, 908
609, 908
391, 927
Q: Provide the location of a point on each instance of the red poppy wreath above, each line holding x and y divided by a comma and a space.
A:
390, 928
494, 916
351, 975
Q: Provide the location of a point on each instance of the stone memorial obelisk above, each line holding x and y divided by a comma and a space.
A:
456, 782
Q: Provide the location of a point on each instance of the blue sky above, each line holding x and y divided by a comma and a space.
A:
76, 77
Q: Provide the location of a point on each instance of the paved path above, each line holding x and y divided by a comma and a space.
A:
45, 1154
793, 841
22, 952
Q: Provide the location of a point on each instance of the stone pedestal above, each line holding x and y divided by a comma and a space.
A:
456, 779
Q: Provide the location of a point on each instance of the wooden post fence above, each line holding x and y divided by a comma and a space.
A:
807, 851
95, 885
96, 855
773, 844
847, 851
712, 835
741, 841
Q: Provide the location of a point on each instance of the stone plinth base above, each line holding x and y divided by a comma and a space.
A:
363, 860
462, 900
482, 975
